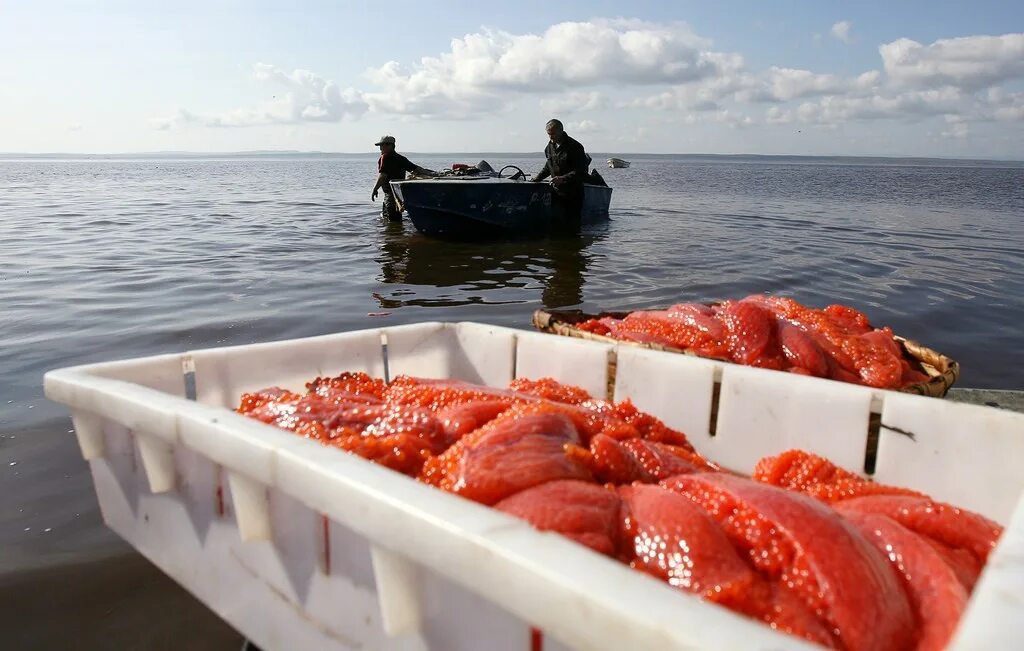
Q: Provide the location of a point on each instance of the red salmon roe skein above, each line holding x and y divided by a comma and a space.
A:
776, 333
956, 529
579, 510
801, 350
398, 437
669, 536
357, 383
522, 448
953, 527
399, 452
549, 389
846, 581
818, 477
249, 402
597, 326
616, 462
461, 419
876, 361
439, 394
751, 334
937, 595
667, 328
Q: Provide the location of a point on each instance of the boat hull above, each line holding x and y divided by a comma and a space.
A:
491, 207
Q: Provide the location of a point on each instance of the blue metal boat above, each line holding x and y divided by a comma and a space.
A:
489, 205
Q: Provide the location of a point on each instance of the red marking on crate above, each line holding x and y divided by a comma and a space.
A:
536, 639
326, 524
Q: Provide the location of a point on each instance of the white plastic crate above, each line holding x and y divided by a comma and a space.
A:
299, 546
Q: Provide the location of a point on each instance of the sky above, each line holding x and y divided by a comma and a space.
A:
908, 78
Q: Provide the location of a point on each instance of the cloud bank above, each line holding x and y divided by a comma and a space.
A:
484, 69
970, 62
580, 69
303, 96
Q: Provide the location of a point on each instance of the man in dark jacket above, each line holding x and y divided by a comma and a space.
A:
567, 164
392, 166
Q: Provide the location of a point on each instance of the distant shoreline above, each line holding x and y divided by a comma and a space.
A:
292, 154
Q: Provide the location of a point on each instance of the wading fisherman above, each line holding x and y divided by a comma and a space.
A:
392, 166
566, 164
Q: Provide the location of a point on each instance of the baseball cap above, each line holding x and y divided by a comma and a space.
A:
385, 140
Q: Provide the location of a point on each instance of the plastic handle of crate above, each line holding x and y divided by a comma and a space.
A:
397, 581
89, 431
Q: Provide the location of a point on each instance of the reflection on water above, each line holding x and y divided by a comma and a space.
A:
427, 272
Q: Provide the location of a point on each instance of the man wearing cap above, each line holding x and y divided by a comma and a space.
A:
392, 166
567, 163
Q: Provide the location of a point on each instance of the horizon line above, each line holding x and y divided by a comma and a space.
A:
297, 152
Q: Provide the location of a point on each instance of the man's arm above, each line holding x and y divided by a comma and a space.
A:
382, 178
422, 171
415, 169
580, 163
544, 172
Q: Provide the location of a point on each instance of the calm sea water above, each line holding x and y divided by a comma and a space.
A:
107, 259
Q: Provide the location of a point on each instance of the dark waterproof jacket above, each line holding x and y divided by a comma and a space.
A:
568, 159
394, 165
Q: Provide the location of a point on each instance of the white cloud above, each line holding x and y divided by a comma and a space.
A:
788, 83
953, 105
574, 101
731, 118
74, 126
428, 93
304, 97
841, 30
637, 136
777, 115
704, 95
309, 97
921, 82
958, 130
969, 62
483, 68
911, 104
785, 84
723, 117
167, 123
583, 126
776, 85
1005, 106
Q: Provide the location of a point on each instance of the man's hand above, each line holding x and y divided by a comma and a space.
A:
557, 181
373, 197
